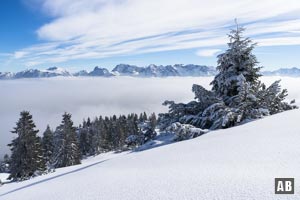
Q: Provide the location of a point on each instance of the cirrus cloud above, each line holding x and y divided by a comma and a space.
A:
101, 28
207, 52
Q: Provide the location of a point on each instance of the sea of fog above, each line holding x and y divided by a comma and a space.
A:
47, 99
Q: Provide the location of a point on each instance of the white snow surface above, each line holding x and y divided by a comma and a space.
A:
3, 177
236, 163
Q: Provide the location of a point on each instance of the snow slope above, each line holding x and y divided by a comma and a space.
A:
3, 177
236, 163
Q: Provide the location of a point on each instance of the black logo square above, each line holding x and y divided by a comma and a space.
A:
284, 185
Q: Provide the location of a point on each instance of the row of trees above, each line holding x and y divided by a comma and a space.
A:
67, 145
111, 133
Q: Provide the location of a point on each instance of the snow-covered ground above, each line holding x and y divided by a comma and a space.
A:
236, 163
3, 177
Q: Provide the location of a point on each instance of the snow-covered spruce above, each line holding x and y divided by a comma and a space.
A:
4, 164
185, 131
146, 131
48, 146
237, 95
27, 155
66, 147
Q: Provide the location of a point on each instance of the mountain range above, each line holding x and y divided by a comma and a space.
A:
293, 72
119, 70
135, 71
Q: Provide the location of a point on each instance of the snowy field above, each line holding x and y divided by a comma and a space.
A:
47, 99
236, 163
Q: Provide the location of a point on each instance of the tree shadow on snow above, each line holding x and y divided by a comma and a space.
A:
51, 178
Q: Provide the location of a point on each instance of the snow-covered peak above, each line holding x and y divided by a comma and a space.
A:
126, 70
58, 71
36, 73
293, 72
152, 66
6, 75
195, 70
81, 73
100, 72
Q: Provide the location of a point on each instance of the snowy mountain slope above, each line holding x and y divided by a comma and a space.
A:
195, 70
100, 72
3, 177
81, 73
6, 75
126, 70
35, 73
236, 163
292, 72
97, 71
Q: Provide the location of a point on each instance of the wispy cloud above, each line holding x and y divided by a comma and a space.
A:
20, 54
99, 28
207, 52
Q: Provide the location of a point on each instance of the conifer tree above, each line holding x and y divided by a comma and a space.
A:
27, 155
97, 136
145, 117
67, 150
48, 145
152, 121
141, 117
6, 158
4, 165
84, 143
237, 66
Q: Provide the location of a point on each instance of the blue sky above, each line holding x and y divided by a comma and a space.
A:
77, 35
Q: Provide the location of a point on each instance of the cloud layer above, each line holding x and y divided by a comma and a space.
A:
99, 28
48, 99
